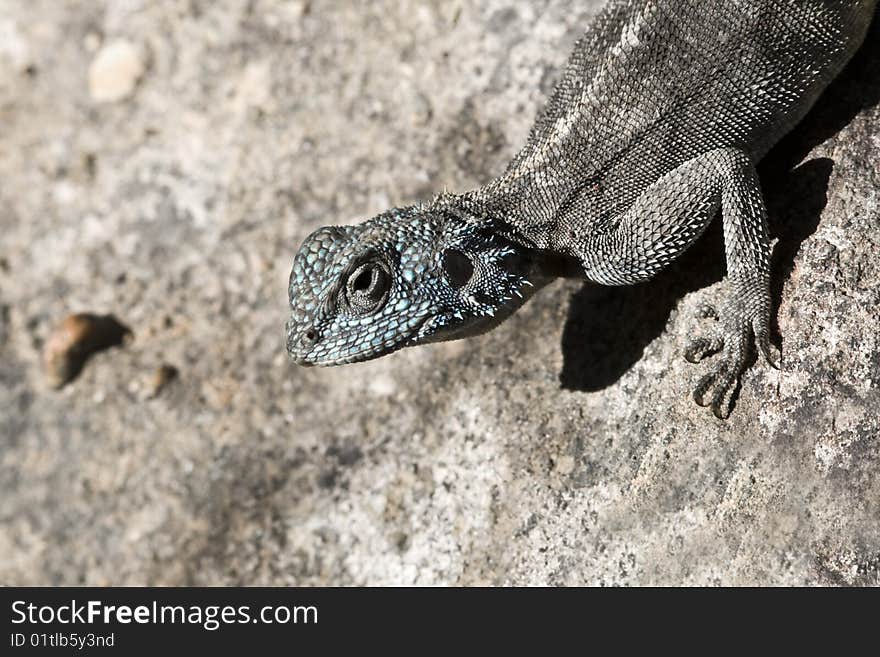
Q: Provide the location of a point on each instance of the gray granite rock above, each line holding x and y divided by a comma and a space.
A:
562, 448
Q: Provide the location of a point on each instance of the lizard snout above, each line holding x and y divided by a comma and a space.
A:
300, 343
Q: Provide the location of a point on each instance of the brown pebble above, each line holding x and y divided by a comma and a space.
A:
161, 378
75, 339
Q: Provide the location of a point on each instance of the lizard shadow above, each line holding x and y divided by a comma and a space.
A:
608, 329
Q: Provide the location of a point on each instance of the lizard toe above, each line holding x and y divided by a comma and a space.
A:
701, 346
711, 342
725, 390
717, 389
703, 386
772, 354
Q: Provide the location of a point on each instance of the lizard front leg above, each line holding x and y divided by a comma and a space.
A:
663, 221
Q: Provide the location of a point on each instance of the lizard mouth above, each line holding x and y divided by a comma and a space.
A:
329, 353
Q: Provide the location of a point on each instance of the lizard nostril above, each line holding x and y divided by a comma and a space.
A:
310, 336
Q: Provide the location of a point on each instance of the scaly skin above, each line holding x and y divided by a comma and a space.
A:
654, 129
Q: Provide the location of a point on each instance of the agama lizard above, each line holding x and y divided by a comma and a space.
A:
654, 129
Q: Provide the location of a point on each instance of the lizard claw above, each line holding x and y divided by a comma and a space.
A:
731, 338
718, 388
770, 351
723, 383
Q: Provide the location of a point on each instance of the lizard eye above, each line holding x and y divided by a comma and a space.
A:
367, 287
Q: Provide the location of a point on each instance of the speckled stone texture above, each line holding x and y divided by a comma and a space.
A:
561, 448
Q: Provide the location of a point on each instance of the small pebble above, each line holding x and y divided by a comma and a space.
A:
115, 71
160, 379
75, 339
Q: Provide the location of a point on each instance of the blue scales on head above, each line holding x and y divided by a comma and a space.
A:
410, 275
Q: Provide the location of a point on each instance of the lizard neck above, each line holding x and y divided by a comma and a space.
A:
531, 201
514, 217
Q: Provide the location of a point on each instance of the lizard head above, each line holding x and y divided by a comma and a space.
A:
407, 276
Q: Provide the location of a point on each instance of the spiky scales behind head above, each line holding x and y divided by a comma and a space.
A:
407, 276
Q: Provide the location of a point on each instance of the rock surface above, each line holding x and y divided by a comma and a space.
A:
562, 448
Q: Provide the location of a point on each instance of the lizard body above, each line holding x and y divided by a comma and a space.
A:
654, 128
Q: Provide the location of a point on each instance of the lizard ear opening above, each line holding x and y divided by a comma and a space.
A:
458, 268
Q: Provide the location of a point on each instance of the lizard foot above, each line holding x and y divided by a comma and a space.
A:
732, 336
